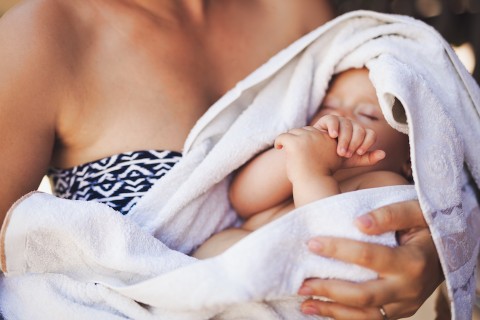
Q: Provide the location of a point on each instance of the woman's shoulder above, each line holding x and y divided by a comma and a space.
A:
38, 15
36, 44
34, 27
39, 45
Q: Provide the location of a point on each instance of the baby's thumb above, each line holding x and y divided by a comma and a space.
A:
368, 159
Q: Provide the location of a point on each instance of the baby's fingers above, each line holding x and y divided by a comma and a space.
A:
344, 137
358, 137
329, 123
286, 138
368, 141
280, 141
367, 159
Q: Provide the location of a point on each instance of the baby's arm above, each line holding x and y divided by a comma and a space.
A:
313, 155
260, 184
263, 182
311, 159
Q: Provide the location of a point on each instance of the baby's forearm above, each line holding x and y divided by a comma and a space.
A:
314, 187
260, 184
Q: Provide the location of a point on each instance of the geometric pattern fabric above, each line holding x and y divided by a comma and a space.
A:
118, 181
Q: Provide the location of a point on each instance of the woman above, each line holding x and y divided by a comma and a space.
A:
89, 80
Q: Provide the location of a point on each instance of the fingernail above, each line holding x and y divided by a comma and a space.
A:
305, 291
342, 151
309, 310
349, 154
360, 152
316, 245
365, 221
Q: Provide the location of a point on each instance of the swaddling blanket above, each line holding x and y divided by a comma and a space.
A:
82, 260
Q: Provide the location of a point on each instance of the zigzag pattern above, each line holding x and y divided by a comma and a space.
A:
118, 181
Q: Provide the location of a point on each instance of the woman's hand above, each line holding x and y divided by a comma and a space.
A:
408, 274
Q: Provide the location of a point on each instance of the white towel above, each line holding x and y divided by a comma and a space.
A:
84, 260
85, 249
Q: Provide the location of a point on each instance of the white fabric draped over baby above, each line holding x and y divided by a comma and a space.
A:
81, 260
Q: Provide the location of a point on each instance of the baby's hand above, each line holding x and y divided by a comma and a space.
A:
315, 150
352, 137
309, 152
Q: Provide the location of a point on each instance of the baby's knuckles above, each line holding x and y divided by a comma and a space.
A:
312, 143
325, 148
310, 151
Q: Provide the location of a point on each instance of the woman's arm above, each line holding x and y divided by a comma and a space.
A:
27, 117
408, 274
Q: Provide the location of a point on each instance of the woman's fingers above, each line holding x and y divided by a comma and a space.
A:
407, 275
359, 295
339, 311
394, 217
373, 256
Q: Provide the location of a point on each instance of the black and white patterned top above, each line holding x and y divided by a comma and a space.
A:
118, 181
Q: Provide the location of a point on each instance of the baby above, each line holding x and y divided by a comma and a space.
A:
349, 146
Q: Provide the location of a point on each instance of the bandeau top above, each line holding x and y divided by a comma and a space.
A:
118, 181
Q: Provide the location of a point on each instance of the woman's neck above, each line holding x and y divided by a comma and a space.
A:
174, 10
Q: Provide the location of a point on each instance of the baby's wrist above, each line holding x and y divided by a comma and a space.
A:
326, 173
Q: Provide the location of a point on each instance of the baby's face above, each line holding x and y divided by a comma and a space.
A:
352, 95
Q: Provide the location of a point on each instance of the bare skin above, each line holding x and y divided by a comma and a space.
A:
85, 79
